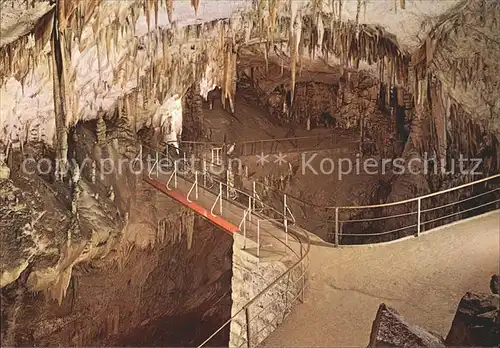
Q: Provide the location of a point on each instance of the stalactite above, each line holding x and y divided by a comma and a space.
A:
358, 10
147, 12
293, 68
195, 4
340, 10
273, 4
107, 34
266, 58
321, 33
170, 10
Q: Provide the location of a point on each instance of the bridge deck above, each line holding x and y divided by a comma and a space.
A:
232, 214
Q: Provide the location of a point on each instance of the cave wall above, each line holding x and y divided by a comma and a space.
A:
138, 298
105, 256
349, 99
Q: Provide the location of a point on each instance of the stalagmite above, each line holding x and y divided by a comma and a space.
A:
111, 193
4, 169
101, 130
75, 190
93, 172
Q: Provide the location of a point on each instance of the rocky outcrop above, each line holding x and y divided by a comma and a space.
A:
117, 265
133, 296
390, 329
495, 284
476, 321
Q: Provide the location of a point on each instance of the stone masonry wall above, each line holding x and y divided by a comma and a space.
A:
251, 276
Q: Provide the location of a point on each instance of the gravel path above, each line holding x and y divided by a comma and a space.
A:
424, 279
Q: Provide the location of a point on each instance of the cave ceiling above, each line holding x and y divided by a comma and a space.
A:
156, 49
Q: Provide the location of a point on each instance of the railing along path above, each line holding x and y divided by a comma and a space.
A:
205, 182
344, 224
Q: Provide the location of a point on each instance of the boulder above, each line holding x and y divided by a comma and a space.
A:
390, 329
4, 170
476, 321
495, 284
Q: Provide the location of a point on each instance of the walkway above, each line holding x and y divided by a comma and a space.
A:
233, 210
423, 278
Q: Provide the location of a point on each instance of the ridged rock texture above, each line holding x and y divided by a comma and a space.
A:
390, 329
476, 322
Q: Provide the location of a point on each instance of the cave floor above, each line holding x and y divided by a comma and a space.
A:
424, 279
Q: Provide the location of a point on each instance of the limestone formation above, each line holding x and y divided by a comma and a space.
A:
476, 322
4, 169
101, 131
424, 78
495, 284
390, 329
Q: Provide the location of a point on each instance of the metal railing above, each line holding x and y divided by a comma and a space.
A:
272, 146
352, 225
344, 224
290, 285
248, 325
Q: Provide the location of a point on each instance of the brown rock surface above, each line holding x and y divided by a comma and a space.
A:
390, 329
476, 321
495, 284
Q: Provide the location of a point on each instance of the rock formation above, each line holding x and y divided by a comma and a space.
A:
495, 284
476, 322
89, 80
390, 329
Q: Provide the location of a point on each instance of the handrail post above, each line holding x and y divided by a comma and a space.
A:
254, 191
258, 238
285, 220
204, 172
157, 164
154, 165
220, 201
249, 208
419, 210
247, 318
175, 173
196, 184
336, 226
244, 231
303, 271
